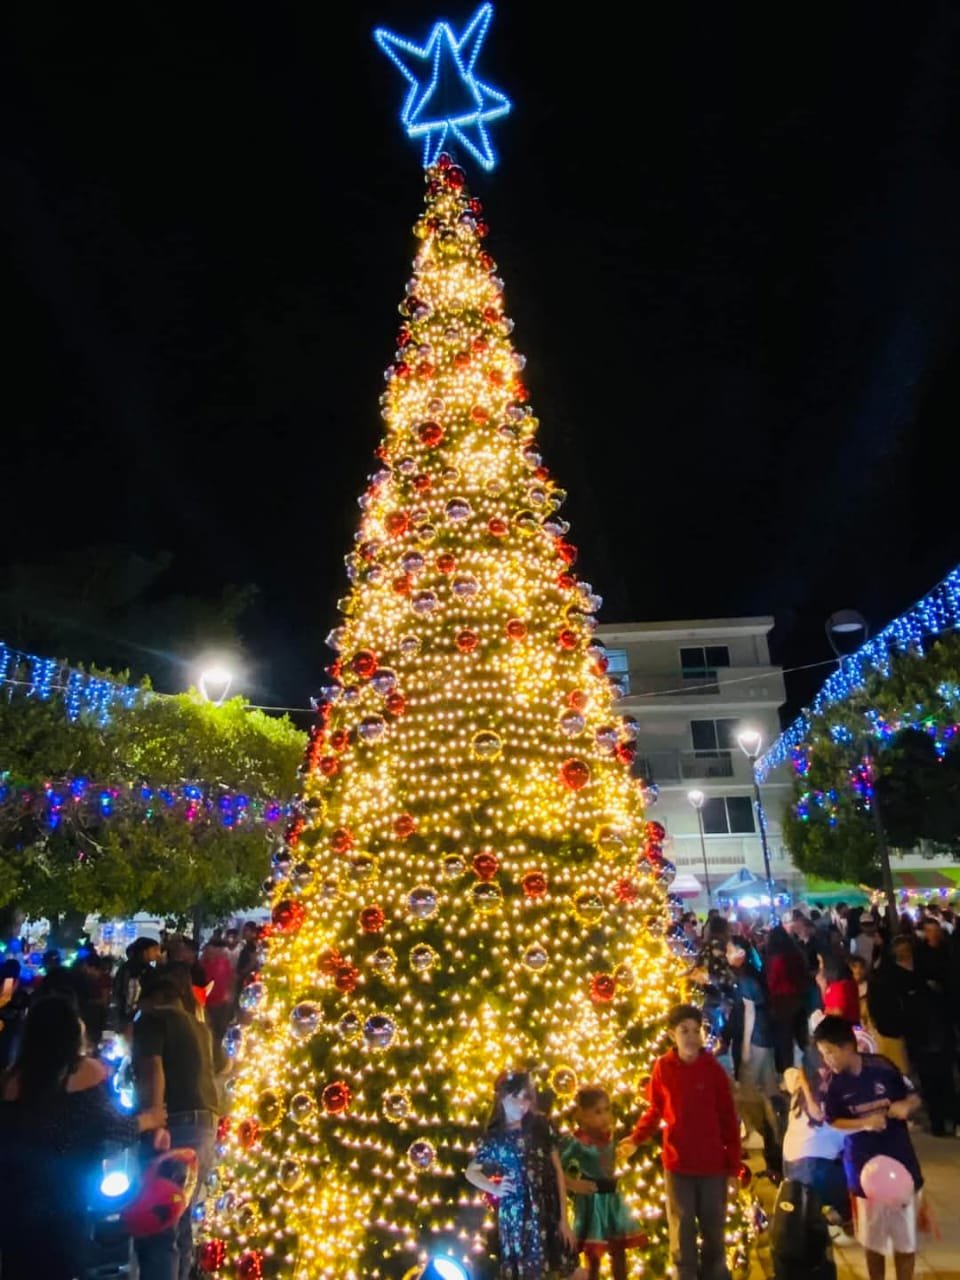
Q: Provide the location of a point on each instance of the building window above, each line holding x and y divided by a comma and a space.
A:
714, 735
728, 815
618, 670
703, 660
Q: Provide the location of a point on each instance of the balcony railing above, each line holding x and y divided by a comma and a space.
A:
681, 766
726, 684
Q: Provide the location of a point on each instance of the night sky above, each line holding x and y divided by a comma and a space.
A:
731, 245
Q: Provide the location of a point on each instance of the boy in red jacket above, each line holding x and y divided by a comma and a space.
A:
689, 1094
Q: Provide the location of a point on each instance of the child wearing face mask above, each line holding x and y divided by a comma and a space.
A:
517, 1163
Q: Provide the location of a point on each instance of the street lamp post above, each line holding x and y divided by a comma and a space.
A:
750, 742
697, 799
847, 622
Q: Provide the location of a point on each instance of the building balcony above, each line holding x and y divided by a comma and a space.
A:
688, 766
737, 686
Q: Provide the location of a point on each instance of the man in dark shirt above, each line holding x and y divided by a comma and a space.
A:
870, 1100
173, 1064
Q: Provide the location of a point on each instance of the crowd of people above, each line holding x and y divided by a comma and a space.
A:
169, 1005
764, 991
823, 1035
810, 1034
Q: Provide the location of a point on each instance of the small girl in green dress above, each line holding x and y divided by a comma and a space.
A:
603, 1223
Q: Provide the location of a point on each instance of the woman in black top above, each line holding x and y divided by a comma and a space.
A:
56, 1120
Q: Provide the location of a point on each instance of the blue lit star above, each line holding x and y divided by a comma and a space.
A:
446, 100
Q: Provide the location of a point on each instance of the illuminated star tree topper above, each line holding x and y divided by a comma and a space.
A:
447, 101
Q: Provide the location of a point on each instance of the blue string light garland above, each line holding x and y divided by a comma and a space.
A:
89, 803
82, 693
937, 612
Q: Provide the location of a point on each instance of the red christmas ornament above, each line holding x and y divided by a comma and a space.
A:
223, 1128
340, 740
600, 664
486, 865
455, 177
626, 752
372, 919
336, 1097
430, 434
444, 160
541, 473
467, 641
498, 526
566, 581
656, 832
603, 988
248, 1131
422, 483
395, 703
329, 766
534, 884
566, 551
402, 584
495, 377
425, 369
342, 840
577, 700
401, 369
479, 345
446, 562
396, 523
744, 1175
462, 360
364, 663
404, 826
330, 961
211, 1256
346, 978
479, 414
491, 314
288, 916
568, 639
250, 1266
575, 773
368, 550
626, 890
516, 629
520, 392
486, 260
403, 337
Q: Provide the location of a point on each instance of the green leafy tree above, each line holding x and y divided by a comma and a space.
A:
141, 858
908, 718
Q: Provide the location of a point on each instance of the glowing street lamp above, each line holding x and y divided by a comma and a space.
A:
750, 742
214, 684
697, 800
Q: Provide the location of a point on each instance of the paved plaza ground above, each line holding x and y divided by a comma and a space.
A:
940, 1160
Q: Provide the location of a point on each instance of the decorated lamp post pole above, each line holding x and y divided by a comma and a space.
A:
751, 743
839, 627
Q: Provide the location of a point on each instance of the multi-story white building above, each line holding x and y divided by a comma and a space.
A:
693, 686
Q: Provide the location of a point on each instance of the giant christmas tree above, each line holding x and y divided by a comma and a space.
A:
471, 884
